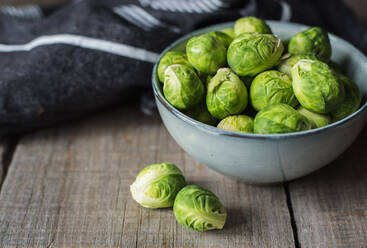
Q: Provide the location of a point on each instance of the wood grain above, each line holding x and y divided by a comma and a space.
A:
330, 206
69, 186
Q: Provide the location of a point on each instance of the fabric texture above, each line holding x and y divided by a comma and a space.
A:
63, 63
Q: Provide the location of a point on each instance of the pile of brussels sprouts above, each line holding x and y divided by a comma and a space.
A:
163, 185
246, 79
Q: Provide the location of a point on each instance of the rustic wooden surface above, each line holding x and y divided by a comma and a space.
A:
69, 186
330, 206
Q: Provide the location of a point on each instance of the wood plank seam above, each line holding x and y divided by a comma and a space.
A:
8, 149
291, 215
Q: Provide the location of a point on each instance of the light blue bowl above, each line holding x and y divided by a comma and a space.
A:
267, 159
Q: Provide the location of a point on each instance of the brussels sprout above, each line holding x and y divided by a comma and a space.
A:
199, 209
229, 32
237, 123
171, 58
288, 61
280, 118
352, 101
182, 87
207, 81
252, 53
316, 120
311, 41
251, 25
226, 95
316, 86
157, 185
271, 87
201, 113
206, 53
223, 37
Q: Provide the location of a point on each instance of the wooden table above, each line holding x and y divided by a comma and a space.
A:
69, 187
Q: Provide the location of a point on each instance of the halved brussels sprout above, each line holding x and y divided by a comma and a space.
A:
316, 86
201, 113
288, 61
229, 32
280, 118
226, 94
251, 25
199, 209
237, 123
352, 100
223, 37
272, 87
313, 41
206, 53
157, 185
316, 120
171, 58
252, 53
182, 87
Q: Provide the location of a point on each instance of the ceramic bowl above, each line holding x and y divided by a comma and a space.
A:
267, 159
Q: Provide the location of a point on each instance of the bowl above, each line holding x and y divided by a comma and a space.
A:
273, 158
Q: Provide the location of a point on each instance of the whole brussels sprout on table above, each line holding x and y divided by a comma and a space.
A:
156, 185
247, 64
199, 209
163, 185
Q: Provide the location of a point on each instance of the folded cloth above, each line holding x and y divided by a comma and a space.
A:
61, 64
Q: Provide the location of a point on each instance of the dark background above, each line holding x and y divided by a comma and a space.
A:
358, 6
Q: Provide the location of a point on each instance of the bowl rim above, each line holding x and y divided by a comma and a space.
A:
216, 131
